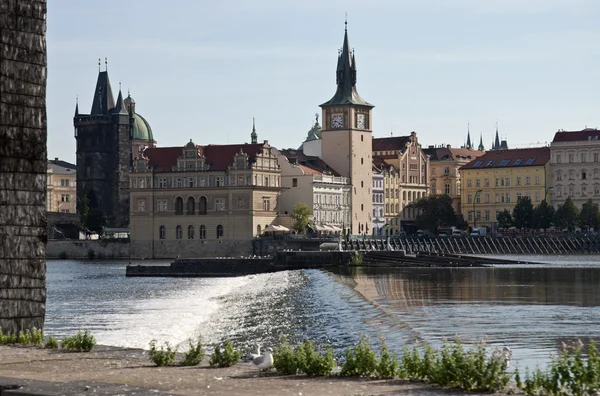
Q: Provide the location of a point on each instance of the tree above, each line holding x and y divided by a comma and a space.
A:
523, 213
436, 211
505, 219
300, 213
83, 208
543, 215
96, 221
589, 216
566, 215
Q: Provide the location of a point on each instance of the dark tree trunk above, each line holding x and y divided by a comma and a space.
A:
22, 164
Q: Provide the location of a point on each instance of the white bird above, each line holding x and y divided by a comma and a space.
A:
264, 362
252, 355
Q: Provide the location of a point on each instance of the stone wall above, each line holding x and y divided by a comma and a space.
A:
81, 249
22, 164
162, 249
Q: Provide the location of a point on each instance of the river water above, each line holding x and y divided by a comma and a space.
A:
531, 308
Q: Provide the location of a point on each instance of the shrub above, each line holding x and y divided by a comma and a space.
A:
227, 358
34, 337
194, 355
91, 254
360, 361
284, 359
51, 343
356, 260
569, 373
311, 362
165, 356
80, 342
388, 364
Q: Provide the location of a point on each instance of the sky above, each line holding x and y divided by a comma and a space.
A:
202, 70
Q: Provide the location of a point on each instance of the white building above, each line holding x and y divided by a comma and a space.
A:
309, 180
378, 201
575, 166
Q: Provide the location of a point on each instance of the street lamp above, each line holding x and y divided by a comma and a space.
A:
475, 200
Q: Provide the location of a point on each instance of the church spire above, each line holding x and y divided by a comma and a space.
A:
103, 96
120, 107
497, 142
254, 135
481, 148
76, 106
469, 136
346, 92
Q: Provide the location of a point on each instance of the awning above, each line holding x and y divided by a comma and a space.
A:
276, 228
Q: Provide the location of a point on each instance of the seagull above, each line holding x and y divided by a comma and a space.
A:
253, 355
264, 362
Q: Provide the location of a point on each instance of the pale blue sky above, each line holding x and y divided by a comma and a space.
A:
202, 69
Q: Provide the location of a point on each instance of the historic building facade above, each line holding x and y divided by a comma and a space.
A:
196, 201
107, 140
61, 187
346, 139
444, 163
309, 180
406, 176
378, 200
575, 162
498, 179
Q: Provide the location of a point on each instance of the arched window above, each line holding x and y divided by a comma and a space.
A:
178, 206
404, 195
162, 232
202, 204
219, 231
178, 232
191, 232
202, 232
258, 229
191, 205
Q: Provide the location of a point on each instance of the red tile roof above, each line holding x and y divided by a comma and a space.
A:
510, 158
310, 165
219, 157
572, 136
391, 143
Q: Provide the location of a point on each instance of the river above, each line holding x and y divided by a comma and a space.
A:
531, 308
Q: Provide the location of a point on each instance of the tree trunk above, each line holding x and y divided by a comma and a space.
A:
22, 164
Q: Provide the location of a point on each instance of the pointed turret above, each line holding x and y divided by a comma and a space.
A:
120, 107
469, 137
253, 135
103, 96
346, 78
76, 106
497, 141
481, 148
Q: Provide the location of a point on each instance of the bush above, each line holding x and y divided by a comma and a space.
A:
285, 360
51, 343
80, 342
360, 361
311, 362
388, 364
569, 373
227, 358
194, 355
34, 337
356, 260
165, 356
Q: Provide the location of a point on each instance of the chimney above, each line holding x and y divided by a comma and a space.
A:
431, 147
266, 143
56, 160
449, 146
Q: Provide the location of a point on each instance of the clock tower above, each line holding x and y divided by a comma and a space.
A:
347, 139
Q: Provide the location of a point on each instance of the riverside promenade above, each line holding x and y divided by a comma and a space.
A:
118, 371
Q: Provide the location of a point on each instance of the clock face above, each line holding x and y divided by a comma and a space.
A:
337, 121
361, 121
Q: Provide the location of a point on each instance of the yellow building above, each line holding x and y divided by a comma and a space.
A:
61, 187
499, 179
444, 163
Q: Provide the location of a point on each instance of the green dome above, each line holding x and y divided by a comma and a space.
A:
141, 129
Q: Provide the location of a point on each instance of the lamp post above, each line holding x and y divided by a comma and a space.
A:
475, 200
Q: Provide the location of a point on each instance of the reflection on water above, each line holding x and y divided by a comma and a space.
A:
531, 309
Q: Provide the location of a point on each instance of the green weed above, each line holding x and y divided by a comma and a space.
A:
80, 342
52, 343
194, 355
163, 356
226, 358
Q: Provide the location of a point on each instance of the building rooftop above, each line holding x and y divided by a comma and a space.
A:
452, 154
310, 165
60, 167
538, 156
573, 136
390, 143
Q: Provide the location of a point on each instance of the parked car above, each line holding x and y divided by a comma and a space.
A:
400, 234
458, 233
425, 234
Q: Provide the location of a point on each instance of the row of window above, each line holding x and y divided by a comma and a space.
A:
446, 171
205, 181
583, 157
503, 197
337, 216
411, 179
190, 205
378, 198
332, 199
505, 181
570, 191
191, 232
583, 174
410, 195
447, 189
377, 183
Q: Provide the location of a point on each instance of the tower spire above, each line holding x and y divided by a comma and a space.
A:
76, 105
469, 136
497, 141
120, 107
481, 148
253, 135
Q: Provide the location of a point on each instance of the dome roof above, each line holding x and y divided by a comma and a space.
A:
140, 129
128, 99
190, 144
314, 133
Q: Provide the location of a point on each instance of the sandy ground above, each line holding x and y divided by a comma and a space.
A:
132, 371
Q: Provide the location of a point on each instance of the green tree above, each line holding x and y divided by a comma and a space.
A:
523, 213
543, 215
589, 216
96, 221
435, 211
567, 215
505, 219
300, 213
